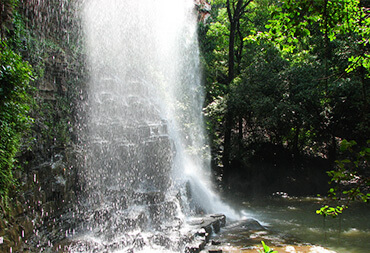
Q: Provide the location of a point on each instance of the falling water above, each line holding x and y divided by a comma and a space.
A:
147, 162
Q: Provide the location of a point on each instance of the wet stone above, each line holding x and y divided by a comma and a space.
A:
195, 247
215, 251
162, 212
139, 243
203, 227
252, 225
196, 221
220, 217
148, 198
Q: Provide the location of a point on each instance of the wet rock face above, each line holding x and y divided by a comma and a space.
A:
204, 10
125, 175
128, 144
41, 211
192, 237
117, 184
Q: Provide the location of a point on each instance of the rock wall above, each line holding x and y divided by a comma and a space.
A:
49, 181
204, 10
47, 174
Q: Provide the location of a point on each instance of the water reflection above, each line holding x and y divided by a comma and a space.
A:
349, 233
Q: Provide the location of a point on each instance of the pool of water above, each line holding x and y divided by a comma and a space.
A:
296, 217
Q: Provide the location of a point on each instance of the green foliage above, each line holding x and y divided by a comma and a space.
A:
266, 249
330, 211
293, 22
352, 171
351, 178
300, 75
15, 100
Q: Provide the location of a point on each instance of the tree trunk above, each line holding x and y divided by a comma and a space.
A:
227, 146
235, 9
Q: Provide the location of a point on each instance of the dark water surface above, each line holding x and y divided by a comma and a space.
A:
297, 217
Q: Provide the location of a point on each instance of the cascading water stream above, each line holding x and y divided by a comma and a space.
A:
146, 146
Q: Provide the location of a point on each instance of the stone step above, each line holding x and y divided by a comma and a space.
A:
201, 228
118, 131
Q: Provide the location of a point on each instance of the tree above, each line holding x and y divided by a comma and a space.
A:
229, 23
235, 11
291, 82
344, 29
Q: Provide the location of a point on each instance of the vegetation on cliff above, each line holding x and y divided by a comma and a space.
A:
15, 98
37, 115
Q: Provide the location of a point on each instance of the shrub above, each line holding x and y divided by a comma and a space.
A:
15, 100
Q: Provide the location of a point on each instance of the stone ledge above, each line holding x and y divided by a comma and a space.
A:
202, 228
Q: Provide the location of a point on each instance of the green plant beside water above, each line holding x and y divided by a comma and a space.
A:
266, 249
350, 178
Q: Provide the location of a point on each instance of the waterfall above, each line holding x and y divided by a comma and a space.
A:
147, 163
